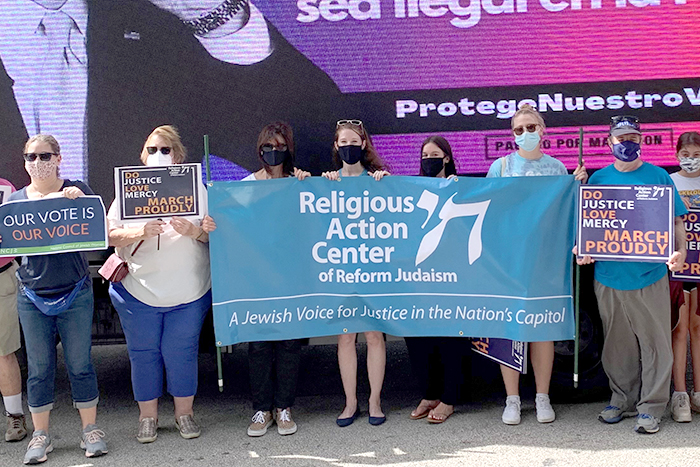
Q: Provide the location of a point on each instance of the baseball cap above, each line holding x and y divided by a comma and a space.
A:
624, 124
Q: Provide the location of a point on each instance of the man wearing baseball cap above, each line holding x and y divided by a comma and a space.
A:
633, 298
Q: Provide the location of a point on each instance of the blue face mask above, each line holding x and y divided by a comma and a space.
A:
626, 151
528, 141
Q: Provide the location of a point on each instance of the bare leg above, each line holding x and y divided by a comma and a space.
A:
511, 379
347, 361
695, 338
542, 355
10, 378
148, 409
183, 406
41, 421
679, 341
376, 364
88, 416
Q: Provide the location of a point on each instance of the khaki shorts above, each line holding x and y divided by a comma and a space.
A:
9, 321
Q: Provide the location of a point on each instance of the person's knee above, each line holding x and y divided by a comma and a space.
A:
374, 338
346, 340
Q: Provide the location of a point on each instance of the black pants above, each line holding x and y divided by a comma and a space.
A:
437, 366
274, 370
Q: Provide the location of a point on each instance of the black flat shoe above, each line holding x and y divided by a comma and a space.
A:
343, 422
376, 421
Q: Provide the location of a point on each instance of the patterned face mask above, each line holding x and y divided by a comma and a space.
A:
41, 170
690, 164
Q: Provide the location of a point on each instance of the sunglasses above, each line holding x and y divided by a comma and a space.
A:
348, 122
164, 150
270, 148
43, 156
531, 128
624, 118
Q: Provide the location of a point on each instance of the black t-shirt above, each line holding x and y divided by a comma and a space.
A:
55, 273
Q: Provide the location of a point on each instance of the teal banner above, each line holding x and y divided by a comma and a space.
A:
408, 256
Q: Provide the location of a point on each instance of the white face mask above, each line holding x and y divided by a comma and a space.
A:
159, 159
689, 164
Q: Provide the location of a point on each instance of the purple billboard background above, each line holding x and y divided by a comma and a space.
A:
610, 43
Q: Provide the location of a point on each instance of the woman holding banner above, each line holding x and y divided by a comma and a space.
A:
528, 129
354, 155
55, 296
274, 365
436, 361
687, 182
163, 300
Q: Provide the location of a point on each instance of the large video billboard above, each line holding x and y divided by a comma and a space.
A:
102, 74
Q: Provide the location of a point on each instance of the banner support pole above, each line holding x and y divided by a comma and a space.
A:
219, 365
577, 310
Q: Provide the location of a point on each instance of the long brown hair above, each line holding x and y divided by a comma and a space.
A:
370, 158
270, 132
444, 145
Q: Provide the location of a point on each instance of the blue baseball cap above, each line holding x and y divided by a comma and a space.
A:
624, 125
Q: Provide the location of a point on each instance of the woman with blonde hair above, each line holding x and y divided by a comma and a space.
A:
55, 297
528, 130
163, 300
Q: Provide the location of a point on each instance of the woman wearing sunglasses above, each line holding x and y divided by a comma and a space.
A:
55, 296
354, 155
529, 160
163, 299
274, 365
436, 361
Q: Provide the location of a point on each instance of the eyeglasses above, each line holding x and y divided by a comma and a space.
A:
270, 148
43, 156
531, 128
349, 122
624, 118
164, 150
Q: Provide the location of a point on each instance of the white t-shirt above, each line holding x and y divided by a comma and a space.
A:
688, 188
174, 274
249, 178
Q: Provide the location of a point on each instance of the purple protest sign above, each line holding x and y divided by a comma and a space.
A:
626, 222
512, 354
691, 268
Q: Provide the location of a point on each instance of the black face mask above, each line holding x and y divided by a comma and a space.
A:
432, 166
351, 154
274, 157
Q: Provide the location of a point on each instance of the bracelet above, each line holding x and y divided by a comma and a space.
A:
216, 17
200, 234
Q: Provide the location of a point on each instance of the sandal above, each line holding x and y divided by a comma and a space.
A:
423, 409
436, 417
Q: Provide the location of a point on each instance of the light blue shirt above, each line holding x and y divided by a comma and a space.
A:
514, 165
632, 275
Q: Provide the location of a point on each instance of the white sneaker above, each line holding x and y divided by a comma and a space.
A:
680, 407
511, 414
695, 401
545, 413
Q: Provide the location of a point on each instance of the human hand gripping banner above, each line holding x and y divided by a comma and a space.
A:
408, 256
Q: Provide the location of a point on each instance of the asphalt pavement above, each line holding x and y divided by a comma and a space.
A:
474, 435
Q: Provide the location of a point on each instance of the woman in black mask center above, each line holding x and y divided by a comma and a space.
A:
354, 155
274, 365
436, 361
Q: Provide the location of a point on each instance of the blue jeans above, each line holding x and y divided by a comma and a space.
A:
161, 336
74, 326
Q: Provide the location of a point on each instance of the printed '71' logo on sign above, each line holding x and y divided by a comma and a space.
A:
449, 211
